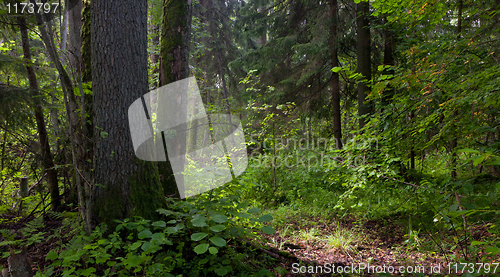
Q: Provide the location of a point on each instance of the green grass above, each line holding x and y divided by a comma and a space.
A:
308, 236
343, 240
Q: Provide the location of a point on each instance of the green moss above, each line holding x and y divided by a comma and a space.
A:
109, 205
145, 195
146, 191
173, 27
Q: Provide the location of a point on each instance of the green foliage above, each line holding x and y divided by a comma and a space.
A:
191, 238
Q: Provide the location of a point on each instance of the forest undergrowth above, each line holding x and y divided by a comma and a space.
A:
279, 222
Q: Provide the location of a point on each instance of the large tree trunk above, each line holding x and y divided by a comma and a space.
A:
47, 162
174, 55
337, 120
123, 185
364, 61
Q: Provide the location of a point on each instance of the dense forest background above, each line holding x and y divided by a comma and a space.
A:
372, 131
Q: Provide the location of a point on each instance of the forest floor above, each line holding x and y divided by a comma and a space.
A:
309, 247
381, 247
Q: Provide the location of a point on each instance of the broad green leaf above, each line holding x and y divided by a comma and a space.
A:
52, 255
135, 245
198, 236
160, 223
254, 210
213, 250
219, 218
147, 246
479, 160
158, 237
244, 215
103, 258
88, 271
265, 218
218, 241
145, 234
134, 260
199, 221
217, 228
268, 230
477, 243
492, 250
336, 69
201, 248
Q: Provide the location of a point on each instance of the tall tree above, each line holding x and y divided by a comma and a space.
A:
123, 185
388, 59
454, 140
47, 161
176, 36
75, 40
337, 121
364, 57
174, 56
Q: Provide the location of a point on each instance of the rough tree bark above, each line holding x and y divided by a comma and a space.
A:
123, 185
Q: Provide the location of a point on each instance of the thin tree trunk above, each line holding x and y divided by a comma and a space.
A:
263, 37
364, 60
64, 35
388, 60
454, 141
75, 40
337, 119
63, 74
47, 161
85, 51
